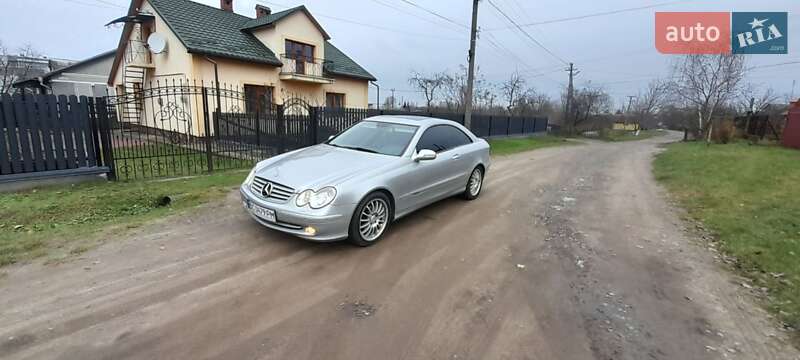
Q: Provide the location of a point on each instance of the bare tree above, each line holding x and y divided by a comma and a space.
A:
588, 102
455, 90
753, 100
707, 82
530, 102
14, 68
512, 89
429, 85
5, 67
648, 102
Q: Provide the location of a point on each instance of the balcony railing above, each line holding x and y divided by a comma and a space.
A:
137, 53
303, 69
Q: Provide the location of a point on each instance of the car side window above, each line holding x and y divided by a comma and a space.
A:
441, 138
456, 137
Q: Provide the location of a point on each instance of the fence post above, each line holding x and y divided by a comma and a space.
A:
258, 126
313, 115
280, 128
508, 125
104, 125
206, 131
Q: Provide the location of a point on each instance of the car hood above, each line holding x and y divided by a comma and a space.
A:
321, 165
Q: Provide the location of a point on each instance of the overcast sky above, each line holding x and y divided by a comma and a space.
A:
390, 38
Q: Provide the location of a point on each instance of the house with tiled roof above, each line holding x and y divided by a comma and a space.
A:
271, 56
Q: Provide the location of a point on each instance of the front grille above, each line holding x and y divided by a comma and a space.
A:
279, 191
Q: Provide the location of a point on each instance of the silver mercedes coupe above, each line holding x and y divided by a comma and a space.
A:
355, 184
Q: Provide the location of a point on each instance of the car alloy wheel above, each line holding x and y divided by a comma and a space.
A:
474, 184
373, 219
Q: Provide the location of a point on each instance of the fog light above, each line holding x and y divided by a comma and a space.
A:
310, 230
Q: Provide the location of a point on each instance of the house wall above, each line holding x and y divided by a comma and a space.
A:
296, 27
87, 79
239, 73
177, 63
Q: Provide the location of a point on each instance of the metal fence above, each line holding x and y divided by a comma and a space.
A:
183, 128
179, 128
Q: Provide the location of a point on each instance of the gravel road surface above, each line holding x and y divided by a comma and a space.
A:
570, 253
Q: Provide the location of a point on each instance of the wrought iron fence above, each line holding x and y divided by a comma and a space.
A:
186, 127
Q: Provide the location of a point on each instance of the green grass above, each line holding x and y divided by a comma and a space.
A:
622, 135
514, 145
748, 197
69, 220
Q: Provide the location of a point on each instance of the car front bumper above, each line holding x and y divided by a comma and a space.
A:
328, 227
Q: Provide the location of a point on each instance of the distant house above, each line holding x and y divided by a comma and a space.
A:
16, 68
272, 57
83, 78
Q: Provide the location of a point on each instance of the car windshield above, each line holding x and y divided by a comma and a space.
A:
376, 137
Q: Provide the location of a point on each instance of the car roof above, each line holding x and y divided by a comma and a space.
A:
416, 120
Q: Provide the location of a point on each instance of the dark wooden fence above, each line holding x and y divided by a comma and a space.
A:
47, 135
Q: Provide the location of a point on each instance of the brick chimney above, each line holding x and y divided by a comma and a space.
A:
262, 11
226, 5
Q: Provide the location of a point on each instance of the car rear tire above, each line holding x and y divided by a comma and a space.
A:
474, 184
371, 219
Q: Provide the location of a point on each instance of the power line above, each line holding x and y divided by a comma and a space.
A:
526, 33
94, 5
409, 13
586, 16
435, 14
774, 65
379, 27
373, 26
111, 3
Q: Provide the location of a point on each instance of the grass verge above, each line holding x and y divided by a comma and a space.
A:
622, 135
747, 197
514, 145
64, 220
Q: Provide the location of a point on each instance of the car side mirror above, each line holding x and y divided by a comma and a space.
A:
331, 137
423, 155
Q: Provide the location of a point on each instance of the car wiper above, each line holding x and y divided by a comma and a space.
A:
360, 149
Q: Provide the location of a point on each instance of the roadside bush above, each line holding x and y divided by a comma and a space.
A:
723, 132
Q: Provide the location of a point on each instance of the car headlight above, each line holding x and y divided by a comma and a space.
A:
316, 199
250, 177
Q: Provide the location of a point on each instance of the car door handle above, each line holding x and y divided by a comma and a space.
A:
456, 156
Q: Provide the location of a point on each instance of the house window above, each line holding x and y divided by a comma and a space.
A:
301, 54
258, 98
298, 50
334, 100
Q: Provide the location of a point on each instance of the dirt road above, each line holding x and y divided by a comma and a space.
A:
570, 253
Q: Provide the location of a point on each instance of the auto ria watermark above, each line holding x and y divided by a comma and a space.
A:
722, 32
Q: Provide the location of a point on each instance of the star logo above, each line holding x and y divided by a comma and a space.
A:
267, 190
757, 23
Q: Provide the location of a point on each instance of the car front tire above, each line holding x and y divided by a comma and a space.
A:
371, 219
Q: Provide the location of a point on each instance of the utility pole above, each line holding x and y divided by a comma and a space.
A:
471, 74
570, 89
630, 102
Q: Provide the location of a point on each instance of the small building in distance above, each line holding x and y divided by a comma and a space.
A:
84, 78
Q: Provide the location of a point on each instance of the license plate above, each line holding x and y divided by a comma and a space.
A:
263, 213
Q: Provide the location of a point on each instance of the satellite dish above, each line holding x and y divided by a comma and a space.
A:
157, 43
